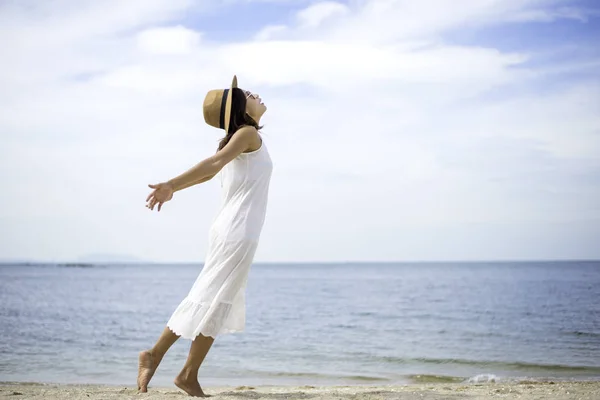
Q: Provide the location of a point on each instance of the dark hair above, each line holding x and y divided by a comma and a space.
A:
239, 117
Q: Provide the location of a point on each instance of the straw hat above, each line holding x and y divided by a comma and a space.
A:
217, 106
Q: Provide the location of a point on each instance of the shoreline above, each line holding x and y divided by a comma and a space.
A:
525, 390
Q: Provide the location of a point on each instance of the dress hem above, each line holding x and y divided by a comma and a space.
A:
192, 338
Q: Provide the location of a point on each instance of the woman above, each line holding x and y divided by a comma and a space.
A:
216, 303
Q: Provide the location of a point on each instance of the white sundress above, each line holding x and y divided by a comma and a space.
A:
216, 302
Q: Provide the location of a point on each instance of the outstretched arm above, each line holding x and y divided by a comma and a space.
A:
204, 170
199, 181
239, 143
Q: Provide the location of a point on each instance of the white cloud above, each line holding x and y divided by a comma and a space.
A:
171, 40
383, 134
358, 64
539, 15
319, 13
270, 32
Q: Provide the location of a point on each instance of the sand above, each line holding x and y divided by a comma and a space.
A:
523, 391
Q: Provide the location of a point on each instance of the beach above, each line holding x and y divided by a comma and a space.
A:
522, 390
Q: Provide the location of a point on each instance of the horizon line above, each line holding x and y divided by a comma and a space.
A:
338, 262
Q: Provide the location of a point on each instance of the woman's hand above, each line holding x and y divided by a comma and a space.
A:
162, 193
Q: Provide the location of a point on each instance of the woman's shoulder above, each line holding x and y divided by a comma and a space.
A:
247, 130
250, 133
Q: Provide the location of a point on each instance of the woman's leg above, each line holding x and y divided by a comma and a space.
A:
150, 359
187, 380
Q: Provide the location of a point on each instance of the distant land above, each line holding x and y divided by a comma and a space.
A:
109, 258
86, 259
116, 259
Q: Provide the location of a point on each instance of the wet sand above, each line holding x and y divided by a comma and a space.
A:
523, 391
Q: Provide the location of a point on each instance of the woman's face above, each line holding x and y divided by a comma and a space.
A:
254, 106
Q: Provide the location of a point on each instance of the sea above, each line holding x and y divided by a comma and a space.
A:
310, 324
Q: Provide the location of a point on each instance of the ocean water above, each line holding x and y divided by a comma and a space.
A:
310, 324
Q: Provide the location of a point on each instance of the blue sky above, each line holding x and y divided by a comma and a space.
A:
399, 130
240, 20
542, 36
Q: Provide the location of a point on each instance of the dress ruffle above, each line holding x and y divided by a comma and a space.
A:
191, 319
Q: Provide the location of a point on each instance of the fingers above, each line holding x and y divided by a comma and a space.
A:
152, 199
155, 187
154, 203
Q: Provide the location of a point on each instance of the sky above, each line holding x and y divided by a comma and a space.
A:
399, 130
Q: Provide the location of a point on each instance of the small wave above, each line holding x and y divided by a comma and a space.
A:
584, 334
424, 378
363, 378
363, 314
494, 364
483, 378
77, 265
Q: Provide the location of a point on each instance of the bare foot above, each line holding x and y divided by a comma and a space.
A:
145, 371
190, 386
